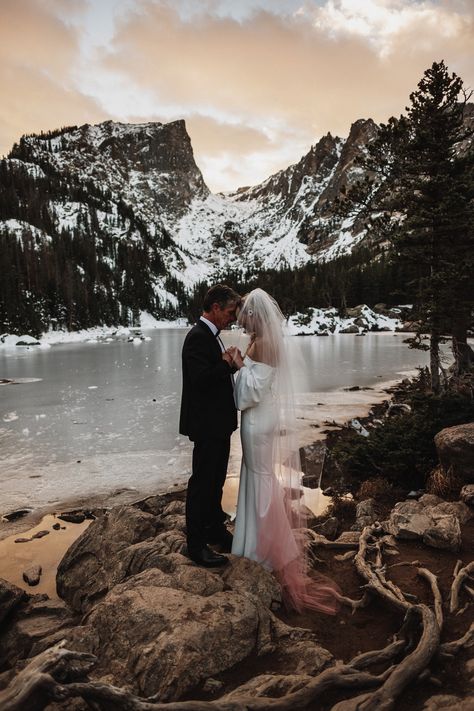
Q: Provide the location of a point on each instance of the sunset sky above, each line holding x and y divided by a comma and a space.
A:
257, 81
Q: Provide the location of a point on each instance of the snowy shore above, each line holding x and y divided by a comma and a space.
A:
313, 321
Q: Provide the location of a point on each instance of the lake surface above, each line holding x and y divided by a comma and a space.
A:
92, 418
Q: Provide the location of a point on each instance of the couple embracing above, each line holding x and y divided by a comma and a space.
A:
269, 525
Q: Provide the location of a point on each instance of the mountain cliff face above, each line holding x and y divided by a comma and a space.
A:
101, 222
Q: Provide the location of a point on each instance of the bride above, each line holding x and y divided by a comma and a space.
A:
269, 522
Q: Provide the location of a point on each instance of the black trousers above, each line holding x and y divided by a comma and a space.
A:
204, 514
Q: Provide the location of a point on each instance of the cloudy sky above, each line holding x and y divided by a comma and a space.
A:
257, 81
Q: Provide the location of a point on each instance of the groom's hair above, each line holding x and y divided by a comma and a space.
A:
220, 294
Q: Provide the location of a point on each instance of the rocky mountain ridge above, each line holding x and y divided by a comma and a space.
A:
123, 210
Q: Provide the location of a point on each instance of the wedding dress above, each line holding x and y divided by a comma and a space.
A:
269, 523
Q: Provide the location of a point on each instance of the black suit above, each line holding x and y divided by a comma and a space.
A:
208, 417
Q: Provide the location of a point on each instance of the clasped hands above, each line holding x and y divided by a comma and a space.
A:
233, 357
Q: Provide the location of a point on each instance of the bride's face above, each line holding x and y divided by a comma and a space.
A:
245, 319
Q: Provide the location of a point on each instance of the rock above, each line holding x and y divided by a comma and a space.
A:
212, 686
355, 311
40, 534
30, 624
88, 569
32, 575
10, 598
444, 532
303, 516
455, 446
398, 408
56, 526
157, 640
415, 494
366, 515
366, 508
452, 508
350, 329
408, 520
15, 515
174, 508
328, 528
467, 494
430, 500
72, 517
248, 577
22, 540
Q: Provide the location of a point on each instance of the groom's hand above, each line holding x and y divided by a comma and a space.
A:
236, 356
227, 357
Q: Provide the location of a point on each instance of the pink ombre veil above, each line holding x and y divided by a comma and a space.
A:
281, 540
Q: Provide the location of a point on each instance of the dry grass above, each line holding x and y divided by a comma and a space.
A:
446, 485
377, 488
344, 509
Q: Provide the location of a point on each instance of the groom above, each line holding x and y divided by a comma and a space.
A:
208, 417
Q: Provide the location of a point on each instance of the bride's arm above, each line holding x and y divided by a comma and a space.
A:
252, 382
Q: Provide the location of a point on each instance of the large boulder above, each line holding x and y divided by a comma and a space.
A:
455, 447
438, 525
444, 532
89, 568
409, 520
158, 623
160, 639
10, 597
31, 623
451, 508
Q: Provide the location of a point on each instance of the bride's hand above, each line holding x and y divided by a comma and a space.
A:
236, 356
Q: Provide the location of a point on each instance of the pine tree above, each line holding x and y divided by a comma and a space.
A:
423, 184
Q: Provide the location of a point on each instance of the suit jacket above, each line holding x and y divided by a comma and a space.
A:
207, 402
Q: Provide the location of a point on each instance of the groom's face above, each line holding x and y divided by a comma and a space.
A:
224, 315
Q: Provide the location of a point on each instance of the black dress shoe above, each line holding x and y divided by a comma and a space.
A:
208, 558
224, 539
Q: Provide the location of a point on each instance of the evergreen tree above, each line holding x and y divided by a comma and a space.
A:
423, 182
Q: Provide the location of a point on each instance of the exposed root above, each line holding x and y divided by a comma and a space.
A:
355, 604
438, 600
461, 575
450, 649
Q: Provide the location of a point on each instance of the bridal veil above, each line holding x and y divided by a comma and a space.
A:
281, 534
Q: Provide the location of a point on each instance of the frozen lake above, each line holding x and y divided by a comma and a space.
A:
91, 418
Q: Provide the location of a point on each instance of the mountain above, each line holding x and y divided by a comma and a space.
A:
98, 223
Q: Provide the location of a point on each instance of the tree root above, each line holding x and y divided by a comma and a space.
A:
438, 600
461, 574
31, 687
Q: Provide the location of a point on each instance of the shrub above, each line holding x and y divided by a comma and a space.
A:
402, 449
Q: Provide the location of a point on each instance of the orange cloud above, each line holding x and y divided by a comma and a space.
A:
38, 53
282, 76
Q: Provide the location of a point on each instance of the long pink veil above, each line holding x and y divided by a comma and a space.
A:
281, 538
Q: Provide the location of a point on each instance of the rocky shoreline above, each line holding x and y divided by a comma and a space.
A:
138, 625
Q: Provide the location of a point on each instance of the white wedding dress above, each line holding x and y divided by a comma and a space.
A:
262, 528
